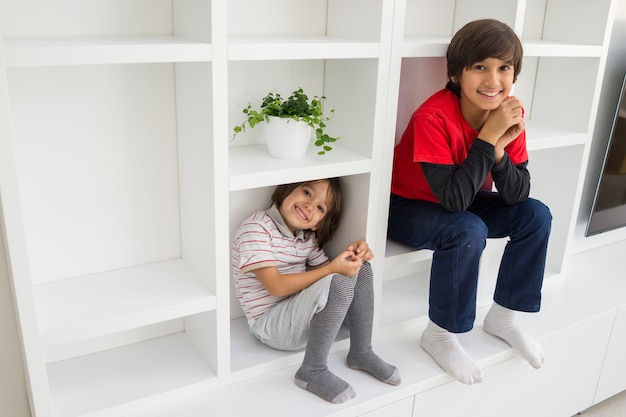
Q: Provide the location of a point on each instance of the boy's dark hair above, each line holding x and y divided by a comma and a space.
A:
329, 224
479, 40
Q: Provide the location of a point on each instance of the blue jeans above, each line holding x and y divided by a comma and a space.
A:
458, 240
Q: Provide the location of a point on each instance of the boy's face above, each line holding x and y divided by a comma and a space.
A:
306, 206
485, 84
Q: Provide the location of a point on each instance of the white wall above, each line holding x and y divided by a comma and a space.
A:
13, 399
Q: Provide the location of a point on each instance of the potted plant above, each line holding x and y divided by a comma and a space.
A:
286, 113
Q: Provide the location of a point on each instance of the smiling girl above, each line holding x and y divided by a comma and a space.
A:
293, 296
459, 143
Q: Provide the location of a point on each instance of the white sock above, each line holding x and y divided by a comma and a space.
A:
446, 350
500, 322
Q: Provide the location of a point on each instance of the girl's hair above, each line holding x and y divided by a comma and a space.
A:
479, 40
330, 222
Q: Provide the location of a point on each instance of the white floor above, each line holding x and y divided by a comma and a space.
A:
611, 407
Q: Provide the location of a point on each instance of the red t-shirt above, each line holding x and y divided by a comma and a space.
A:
437, 133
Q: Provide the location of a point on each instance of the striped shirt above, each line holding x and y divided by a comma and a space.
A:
263, 240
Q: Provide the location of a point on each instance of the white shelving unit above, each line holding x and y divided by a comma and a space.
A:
121, 190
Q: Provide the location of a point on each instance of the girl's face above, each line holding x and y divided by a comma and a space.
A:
485, 85
306, 206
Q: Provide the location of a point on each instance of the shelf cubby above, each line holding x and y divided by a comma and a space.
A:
124, 378
349, 98
556, 103
560, 21
79, 308
99, 181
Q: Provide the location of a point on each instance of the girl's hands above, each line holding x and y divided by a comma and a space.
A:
346, 264
361, 250
349, 261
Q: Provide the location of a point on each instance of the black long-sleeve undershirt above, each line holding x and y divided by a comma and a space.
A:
455, 186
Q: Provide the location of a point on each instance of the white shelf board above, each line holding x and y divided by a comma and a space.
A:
543, 136
547, 48
29, 52
248, 352
397, 253
79, 308
263, 47
253, 166
414, 47
437, 47
130, 374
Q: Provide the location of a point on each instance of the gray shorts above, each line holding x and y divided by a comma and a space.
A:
286, 325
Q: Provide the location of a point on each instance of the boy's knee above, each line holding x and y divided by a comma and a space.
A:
539, 213
544, 212
470, 229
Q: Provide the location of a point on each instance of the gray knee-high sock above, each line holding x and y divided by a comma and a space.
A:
360, 318
313, 374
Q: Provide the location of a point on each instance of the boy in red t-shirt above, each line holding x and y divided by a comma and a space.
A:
458, 144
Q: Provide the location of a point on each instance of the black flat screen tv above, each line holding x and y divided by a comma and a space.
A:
608, 211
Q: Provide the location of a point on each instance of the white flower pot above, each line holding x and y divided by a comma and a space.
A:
287, 138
